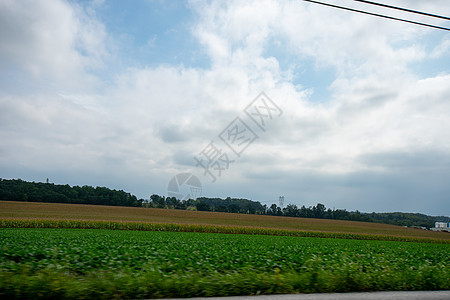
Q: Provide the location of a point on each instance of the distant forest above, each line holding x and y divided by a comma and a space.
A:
20, 190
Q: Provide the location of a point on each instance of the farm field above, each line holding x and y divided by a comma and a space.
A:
86, 263
55, 211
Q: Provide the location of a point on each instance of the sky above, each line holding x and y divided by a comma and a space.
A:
255, 99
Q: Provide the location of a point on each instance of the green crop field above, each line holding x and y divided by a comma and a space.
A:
83, 251
95, 263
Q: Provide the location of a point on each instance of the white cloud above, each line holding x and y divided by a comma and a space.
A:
53, 41
442, 49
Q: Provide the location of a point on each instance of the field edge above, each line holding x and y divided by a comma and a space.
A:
174, 227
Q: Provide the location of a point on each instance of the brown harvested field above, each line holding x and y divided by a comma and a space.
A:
57, 211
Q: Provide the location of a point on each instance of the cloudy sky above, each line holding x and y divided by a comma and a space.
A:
129, 94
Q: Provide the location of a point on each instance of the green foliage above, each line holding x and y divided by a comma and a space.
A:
201, 206
407, 219
233, 205
80, 264
19, 190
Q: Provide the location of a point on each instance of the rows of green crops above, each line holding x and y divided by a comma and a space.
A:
76, 263
141, 226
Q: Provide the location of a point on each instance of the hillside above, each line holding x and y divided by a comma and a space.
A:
56, 211
20, 190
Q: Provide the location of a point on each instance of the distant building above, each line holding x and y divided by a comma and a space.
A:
441, 226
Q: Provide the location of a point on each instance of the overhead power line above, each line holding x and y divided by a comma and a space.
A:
404, 9
378, 15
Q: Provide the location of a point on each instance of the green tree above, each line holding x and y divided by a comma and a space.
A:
158, 201
202, 206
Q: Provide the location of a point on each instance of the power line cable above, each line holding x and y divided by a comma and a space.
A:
403, 9
378, 15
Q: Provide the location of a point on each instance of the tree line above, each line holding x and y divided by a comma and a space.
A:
245, 206
319, 211
20, 190
230, 205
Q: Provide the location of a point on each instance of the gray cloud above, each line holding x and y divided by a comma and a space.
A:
172, 134
407, 160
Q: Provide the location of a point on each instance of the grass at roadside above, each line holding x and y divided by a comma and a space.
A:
76, 264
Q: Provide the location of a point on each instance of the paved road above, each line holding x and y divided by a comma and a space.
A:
431, 295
